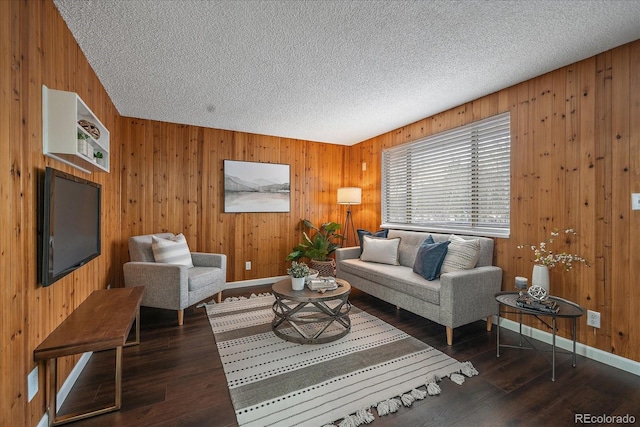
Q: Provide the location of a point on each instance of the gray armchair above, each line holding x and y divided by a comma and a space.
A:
173, 286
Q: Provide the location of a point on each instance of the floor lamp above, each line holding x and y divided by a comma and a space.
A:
349, 196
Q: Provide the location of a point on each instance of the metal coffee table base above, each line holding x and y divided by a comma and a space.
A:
307, 317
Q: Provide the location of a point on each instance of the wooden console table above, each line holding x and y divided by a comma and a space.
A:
101, 322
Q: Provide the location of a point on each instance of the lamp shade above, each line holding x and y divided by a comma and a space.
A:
349, 196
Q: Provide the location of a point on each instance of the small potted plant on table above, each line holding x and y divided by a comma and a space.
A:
298, 273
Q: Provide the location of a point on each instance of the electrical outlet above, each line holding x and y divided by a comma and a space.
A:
593, 319
635, 201
32, 384
247, 265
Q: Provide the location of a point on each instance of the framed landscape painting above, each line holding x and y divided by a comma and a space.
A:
256, 187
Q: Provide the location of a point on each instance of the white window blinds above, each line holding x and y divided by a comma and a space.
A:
454, 182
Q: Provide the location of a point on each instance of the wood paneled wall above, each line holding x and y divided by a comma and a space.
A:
172, 180
37, 48
575, 160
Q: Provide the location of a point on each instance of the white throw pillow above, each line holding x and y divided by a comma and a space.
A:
462, 254
171, 251
381, 250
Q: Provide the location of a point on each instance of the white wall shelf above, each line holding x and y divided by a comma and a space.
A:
61, 112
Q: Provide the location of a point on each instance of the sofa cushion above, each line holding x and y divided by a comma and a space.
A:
172, 250
462, 254
429, 258
200, 277
411, 241
381, 250
397, 277
361, 233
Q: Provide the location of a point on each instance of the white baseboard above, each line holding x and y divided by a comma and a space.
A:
253, 282
67, 386
596, 354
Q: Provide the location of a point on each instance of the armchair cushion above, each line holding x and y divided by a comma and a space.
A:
173, 250
200, 277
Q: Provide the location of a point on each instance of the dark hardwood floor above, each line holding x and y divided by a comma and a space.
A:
175, 378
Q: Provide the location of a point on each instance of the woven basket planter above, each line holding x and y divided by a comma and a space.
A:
325, 268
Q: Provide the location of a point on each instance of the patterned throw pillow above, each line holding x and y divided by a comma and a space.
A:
429, 258
171, 251
462, 254
383, 251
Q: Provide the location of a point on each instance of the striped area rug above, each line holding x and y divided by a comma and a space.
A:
372, 371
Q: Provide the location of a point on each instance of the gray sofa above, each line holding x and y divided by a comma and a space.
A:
455, 299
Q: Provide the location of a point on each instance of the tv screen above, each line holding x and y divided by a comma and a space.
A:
71, 224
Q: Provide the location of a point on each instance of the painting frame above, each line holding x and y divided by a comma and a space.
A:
256, 187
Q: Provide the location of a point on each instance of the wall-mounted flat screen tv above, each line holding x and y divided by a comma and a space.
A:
70, 224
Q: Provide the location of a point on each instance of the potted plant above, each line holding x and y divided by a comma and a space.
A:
298, 272
318, 247
82, 142
99, 157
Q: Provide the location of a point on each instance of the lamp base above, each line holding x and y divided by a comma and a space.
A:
349, 220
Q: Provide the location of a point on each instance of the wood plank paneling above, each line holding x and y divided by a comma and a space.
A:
621, 232
37, 48
187, 160
574, 162
633, 351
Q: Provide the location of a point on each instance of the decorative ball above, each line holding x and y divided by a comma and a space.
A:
90, 128
538, 293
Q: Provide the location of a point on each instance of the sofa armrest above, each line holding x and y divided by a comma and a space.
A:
352, 252
342, 254
469, 295
166, 285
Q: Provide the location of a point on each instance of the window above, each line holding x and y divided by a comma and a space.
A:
454, 182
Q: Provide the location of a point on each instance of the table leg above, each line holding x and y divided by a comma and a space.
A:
520, 334
55, 420
118, 377
136, 340
553, 350
52, 365
574, 342
498, 333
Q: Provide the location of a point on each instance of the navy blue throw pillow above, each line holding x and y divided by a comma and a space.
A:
429, 259
361, 233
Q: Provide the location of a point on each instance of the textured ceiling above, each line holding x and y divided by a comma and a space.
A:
330, 71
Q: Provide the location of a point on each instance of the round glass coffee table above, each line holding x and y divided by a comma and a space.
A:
311, 317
